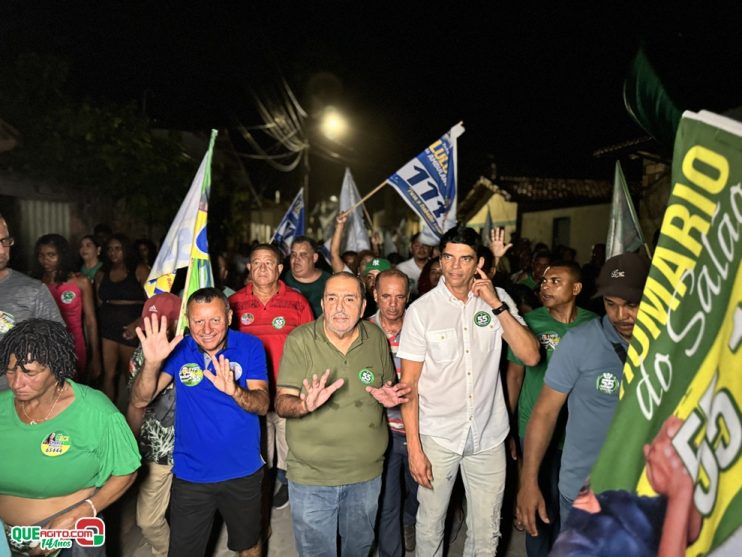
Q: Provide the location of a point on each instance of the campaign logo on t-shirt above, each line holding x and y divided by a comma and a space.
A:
55, 444
190, 375
549, 340
482, 318
236, 369
606, 383
68, 297
247, 318
7, 322
366, 376
279, 322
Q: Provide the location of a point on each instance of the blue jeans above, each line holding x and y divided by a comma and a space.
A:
398, 504
320, 512
548, 483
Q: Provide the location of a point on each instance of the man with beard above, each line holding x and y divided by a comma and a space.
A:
336, 448
414, 265
559, 289
586, 371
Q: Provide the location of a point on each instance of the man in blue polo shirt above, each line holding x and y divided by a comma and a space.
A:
216, 462
585, 371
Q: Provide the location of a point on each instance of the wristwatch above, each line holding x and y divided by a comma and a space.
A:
499, 310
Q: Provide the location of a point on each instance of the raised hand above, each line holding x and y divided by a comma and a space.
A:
483, 288
390, 395
223, 379
317, 393
497, 243
341, 219
155, 344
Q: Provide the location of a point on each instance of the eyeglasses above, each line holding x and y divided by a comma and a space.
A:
7, 241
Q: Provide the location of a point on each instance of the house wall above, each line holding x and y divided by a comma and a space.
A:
588, 226
504, 214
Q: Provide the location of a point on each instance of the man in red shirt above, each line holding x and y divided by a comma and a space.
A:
270, 310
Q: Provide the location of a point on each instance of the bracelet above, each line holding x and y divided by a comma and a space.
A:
92, 506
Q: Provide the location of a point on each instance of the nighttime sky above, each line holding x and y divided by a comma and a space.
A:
538, 90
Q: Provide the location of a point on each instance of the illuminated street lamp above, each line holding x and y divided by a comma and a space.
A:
333, 124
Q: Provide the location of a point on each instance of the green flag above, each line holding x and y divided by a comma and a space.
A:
684, 364
624, 232
647, 101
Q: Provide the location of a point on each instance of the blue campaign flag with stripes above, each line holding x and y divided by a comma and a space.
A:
428, 183
291, 225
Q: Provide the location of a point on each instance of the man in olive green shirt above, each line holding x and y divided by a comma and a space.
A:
337, 434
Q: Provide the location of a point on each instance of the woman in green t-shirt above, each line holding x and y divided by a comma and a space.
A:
68, 452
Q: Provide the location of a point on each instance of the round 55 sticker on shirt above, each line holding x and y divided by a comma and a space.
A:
190, 375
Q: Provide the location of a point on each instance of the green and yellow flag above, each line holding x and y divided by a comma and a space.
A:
186, 244
685, 357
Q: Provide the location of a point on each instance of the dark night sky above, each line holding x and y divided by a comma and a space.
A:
538, 89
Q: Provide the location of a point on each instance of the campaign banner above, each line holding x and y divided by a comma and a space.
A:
427, 183
676, 437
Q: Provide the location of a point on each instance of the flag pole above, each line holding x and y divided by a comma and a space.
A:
367, 196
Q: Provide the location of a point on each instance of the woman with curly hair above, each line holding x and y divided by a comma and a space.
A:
73, 294
121, 296
70, 453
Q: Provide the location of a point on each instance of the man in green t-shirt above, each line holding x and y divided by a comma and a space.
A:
337, 434
559, 290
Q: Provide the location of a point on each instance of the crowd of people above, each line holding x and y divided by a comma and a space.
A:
366, 385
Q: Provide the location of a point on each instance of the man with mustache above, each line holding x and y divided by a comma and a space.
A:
586, 370
337, 432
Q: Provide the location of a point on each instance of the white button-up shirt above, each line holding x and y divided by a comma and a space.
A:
459, 387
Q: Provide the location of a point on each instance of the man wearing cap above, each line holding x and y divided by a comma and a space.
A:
586, 372
221, 387
304, 275
21, 297
155, 427
369, 274
270, 310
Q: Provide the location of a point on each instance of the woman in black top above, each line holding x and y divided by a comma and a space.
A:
119, 285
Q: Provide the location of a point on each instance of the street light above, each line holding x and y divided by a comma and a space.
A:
333, 125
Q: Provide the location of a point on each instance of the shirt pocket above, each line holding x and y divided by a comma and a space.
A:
443, 345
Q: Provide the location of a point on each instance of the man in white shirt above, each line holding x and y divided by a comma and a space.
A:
456, 415
413, 266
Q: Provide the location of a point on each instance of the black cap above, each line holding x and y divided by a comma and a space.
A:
624, 276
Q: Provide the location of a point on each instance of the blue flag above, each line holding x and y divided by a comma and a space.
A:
428, 184
291, 225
